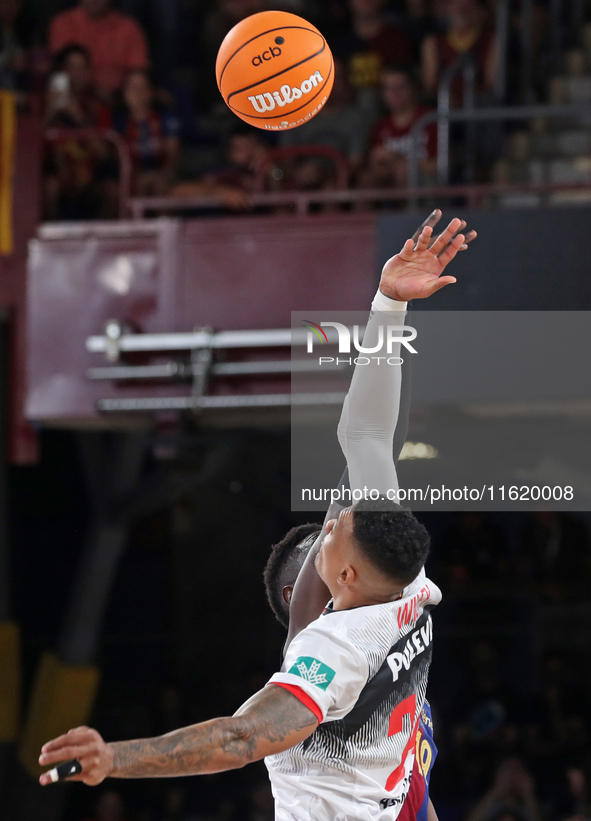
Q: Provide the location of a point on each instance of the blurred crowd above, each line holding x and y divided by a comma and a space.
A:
145, 70
508, 686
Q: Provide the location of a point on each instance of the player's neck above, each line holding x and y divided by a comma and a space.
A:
349, 599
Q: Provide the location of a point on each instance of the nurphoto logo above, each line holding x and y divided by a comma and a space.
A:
389, 339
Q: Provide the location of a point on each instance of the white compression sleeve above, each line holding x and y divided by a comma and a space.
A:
370, 411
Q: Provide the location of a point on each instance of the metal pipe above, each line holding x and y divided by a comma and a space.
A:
465, 65
443, 110
526, 50
556, 24
578, 18
180, 403
190, 341
412, 193
502, 34
492, 114
183, 370
469, 103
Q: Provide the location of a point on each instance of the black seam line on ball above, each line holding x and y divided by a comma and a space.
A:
284, 114
263, 34
274, 76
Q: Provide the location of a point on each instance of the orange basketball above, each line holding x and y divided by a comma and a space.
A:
274, 70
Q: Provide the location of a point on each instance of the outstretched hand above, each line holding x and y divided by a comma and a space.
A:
416, 272
432, 221
85, 745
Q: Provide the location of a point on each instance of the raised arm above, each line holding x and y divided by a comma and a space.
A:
271, 721
370, 411
413, 274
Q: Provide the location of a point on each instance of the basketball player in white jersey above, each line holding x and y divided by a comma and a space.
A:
337, 724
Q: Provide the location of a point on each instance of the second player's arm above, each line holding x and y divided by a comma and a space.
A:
271, 721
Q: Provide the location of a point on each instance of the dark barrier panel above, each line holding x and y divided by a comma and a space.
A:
523, 260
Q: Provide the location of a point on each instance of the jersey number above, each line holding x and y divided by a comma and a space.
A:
406, 707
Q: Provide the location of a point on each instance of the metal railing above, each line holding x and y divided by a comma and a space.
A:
275, 156
567, 20
300, 201
493, 114
466, 66
502, 25
198, 367
121, 147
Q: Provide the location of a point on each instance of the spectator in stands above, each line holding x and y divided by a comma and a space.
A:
576, 805
115, 41
368, 44
72, 100
512, 796
390, 143
416, 16
152, 134
246, 151
467, 33
72, 188
341, 125
557, 554
223, 15
14, 42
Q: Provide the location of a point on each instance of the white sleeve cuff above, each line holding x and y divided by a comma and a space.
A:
383, 303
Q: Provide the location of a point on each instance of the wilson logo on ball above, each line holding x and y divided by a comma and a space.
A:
272, 52
274, 70
286, 94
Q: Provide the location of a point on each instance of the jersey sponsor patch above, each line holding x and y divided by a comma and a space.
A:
313, 671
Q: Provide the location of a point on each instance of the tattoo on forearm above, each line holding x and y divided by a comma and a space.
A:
217, 745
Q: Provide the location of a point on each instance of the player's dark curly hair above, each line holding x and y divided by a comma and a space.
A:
283, 566
391, 538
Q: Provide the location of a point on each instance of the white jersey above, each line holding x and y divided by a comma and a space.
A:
363, 672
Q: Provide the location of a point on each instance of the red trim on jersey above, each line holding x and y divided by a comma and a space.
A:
415, 796
303, 697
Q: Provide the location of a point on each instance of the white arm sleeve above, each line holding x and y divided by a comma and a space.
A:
370, 411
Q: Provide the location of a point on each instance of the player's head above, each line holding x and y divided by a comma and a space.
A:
283, 566
372, 550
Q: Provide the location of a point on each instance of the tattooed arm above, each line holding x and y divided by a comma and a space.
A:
271, 721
